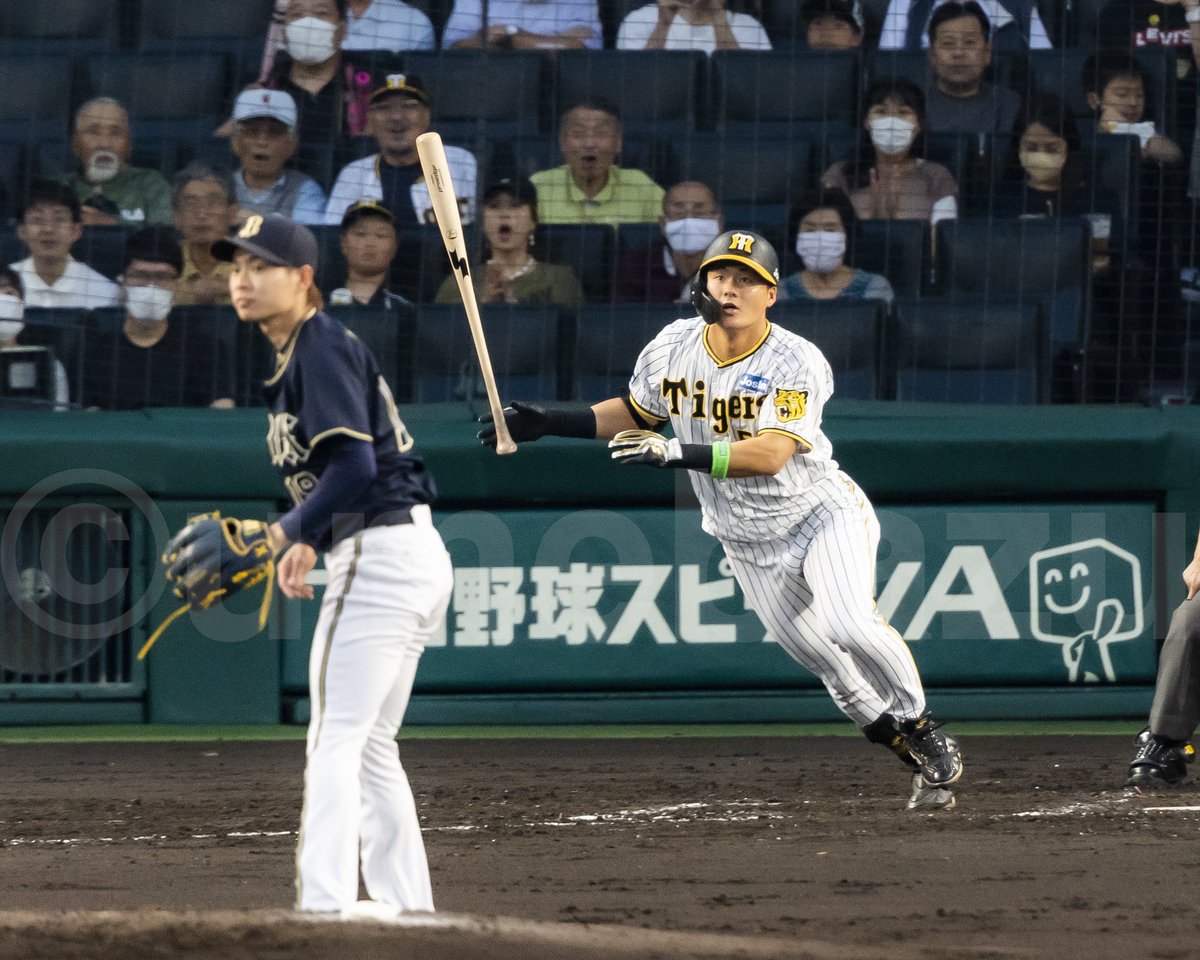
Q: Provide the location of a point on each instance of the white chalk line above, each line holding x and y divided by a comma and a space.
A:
726, 811
1120, 805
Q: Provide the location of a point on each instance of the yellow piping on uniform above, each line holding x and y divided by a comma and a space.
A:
725, 363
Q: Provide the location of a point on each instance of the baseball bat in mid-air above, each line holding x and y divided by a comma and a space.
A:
445, 210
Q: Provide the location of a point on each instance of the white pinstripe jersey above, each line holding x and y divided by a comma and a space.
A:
780, 386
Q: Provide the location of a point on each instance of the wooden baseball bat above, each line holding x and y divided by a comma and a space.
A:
445, 210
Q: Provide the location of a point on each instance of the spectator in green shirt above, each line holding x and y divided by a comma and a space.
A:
512, 274
590, 187
105, 181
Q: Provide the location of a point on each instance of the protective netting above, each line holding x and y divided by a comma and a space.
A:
995, 205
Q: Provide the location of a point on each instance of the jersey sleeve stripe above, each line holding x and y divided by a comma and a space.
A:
795, 436
646, 413
344, 431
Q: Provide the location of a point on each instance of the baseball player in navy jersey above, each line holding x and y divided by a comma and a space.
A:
744, 399
362, 496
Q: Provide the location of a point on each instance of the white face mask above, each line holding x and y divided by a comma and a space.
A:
12, 313
310, 40
148, 304
892, 135
691, 234
821, 250
102, 166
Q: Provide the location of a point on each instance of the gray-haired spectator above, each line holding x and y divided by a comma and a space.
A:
110, 190
264, 140
205, 205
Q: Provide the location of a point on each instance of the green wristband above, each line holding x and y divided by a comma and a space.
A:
720, 460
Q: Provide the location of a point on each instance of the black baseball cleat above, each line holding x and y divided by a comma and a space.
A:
1158, 762
937, 756
926, 799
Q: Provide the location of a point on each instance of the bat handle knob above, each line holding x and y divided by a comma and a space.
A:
505, 447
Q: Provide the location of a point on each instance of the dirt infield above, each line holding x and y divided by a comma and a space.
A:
755, 847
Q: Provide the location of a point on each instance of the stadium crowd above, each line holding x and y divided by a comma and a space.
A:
1036, 170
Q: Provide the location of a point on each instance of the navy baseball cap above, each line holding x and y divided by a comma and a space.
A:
275, 238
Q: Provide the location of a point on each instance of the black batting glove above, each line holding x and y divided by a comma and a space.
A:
526, 421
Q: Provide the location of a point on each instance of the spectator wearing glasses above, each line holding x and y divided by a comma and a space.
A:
150, 361
205, 203
49, 224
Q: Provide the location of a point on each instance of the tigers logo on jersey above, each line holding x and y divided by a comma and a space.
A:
790, 404
743, 242
286, 450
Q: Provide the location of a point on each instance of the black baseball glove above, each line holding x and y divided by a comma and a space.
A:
214, 557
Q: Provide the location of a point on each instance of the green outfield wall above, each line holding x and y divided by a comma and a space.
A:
1029, 556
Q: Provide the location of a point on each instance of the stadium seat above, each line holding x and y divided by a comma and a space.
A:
969, 351
1084, 20
35, 99
656, 94
898, 249
383, 332
769, 219
162, 86
522, 344
14, 177
102, 249
585, 248
757, 170
11, 249
73, 27
1114, 162
1027, 261
473, 87
235, 27
766, 94
207, 326
63, 332
849, 333
607, 342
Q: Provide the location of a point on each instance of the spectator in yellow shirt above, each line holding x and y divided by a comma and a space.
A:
590, 187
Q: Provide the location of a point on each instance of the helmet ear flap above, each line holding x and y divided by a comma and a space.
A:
702, 300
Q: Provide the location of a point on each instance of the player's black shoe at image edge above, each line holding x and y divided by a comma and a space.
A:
1158, 762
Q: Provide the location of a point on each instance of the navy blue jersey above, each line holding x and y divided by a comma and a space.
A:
327, 385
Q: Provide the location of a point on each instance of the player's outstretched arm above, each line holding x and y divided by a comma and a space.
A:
529, 421
761, 456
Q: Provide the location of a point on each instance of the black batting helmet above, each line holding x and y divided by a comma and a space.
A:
738, 246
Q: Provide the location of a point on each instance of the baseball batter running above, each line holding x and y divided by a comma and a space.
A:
744, 400
362, 495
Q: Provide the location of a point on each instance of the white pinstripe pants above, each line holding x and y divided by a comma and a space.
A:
814, 590
387, 592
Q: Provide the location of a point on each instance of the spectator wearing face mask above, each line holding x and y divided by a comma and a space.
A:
1047, 179
511, 273
264, 140
691, 220
824, 239
149, 361
12, 325
49, 225
111, 191
887, 179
